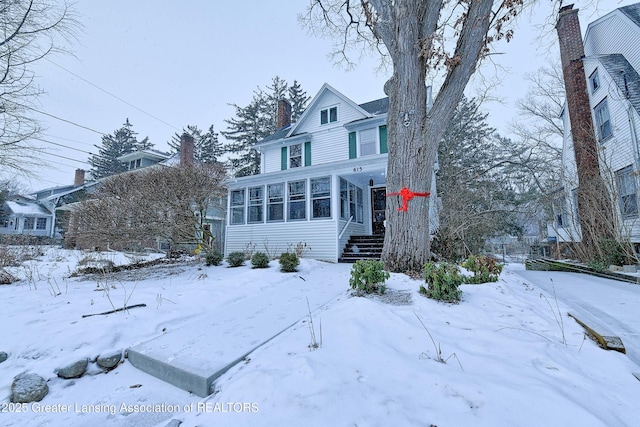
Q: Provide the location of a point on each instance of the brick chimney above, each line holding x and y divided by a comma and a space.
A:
284, 114
186, 149
78, 179
594, 208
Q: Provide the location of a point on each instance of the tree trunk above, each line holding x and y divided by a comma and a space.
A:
406, 244
414, 134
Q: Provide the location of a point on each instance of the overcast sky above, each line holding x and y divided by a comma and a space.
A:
166, 64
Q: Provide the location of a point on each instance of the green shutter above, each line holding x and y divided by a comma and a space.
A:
352, 145
307, 153
283, 158
383, 139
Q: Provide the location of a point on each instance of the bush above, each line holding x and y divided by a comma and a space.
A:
260, 260
442, 282
616, 253
289, 262
368, 276
484, 269
236, 259
213, 258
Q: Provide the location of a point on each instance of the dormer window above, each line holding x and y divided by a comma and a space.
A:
328, 115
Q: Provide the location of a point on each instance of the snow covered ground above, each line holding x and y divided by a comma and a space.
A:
505, 363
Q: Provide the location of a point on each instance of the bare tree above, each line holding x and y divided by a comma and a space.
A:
154, 204
421, 38
30, 30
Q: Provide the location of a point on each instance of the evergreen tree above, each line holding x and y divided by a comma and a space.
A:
207, 147
479, 182
298, 99
122, 141
258, 120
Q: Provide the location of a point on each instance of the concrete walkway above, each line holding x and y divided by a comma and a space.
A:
610, 307
193, 356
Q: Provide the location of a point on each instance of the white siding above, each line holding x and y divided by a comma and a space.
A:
614, 33
346, 114
320, 236
329, 143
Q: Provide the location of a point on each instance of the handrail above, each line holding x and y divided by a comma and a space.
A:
345, 227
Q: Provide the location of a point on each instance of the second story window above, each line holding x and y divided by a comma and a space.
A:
368, 142
295, 156
603, 120
134, 164
594, 81
328, 115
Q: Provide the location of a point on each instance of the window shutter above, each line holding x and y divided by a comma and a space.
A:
307, 153
383, 139
352, 145
283, 158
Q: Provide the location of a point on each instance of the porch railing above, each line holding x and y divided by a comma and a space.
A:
345, 227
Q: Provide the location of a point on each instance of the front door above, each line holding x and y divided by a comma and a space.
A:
378, 207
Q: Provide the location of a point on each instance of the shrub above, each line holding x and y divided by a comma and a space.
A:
442, 282
368, 276
485, 269
213, 258
260, 260
616, 253
289, 262
236, 259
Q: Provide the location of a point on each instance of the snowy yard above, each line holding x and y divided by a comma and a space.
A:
505, 363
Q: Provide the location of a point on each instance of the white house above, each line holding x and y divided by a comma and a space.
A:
322, 180
611, 64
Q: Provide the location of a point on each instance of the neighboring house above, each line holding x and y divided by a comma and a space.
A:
23, 216
62, 200
611, 65
322, 180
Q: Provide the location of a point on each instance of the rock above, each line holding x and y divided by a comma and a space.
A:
6, 278
28, 388
109, 360
3, 356
173, 423
74, 370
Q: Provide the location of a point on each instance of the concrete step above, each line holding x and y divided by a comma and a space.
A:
193, 356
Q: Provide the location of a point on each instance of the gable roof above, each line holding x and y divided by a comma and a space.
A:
368, 110
325, 88
625, 77
21, 207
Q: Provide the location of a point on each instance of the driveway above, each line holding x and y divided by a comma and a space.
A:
610, 304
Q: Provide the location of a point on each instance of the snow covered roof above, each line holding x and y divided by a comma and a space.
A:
625, 77
633, 12
26, 208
